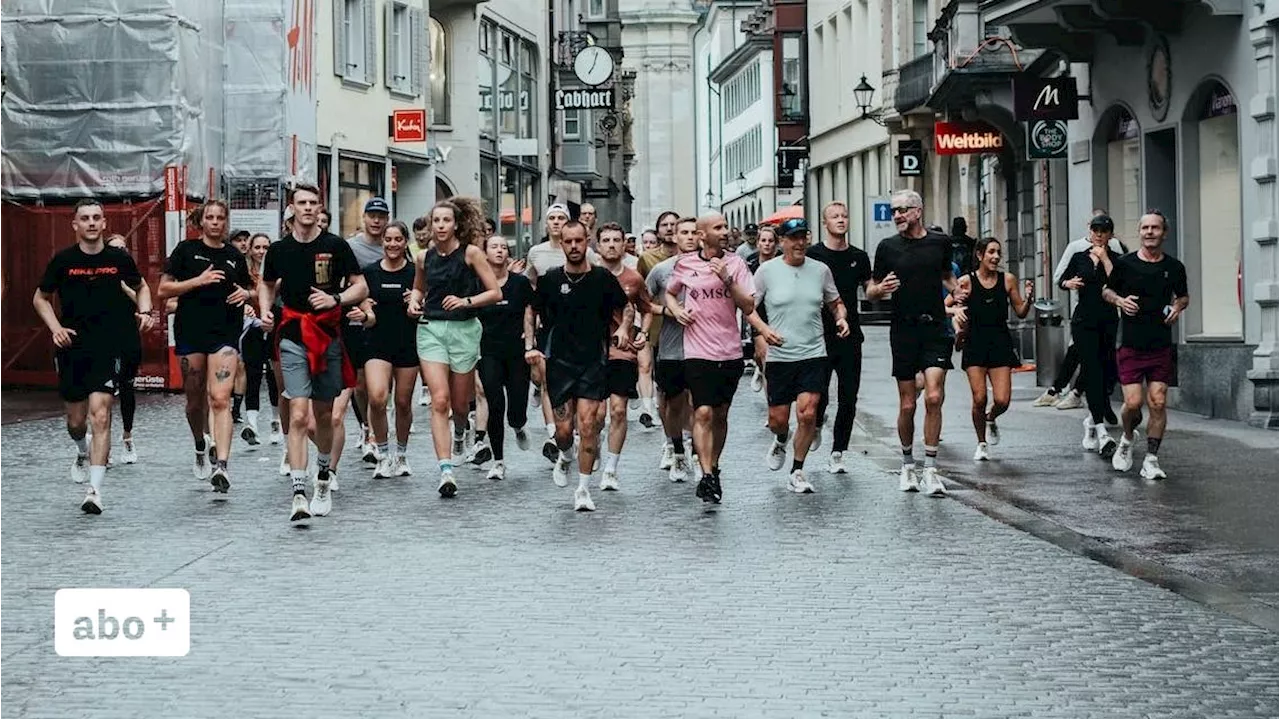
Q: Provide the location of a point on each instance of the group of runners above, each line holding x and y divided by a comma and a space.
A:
592, 323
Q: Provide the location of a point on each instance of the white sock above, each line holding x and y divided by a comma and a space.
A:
96, 475
251, 416
82, 444
584, 480
611, 462
551, 431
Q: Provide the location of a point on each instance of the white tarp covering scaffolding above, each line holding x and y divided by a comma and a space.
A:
102, 95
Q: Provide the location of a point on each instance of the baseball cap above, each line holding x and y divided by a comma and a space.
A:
751, 229
240, 233
377, 204
1103, 223
557, 207
794, 226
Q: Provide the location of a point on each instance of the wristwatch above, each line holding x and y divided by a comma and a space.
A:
337, 299
468, 301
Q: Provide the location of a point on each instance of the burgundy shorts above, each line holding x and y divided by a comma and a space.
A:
1150, 365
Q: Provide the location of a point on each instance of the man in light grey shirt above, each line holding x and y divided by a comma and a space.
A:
750, 234
368, 244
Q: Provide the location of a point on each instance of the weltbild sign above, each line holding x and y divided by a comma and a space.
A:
966, 138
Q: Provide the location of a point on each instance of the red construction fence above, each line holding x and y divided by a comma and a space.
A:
29, 237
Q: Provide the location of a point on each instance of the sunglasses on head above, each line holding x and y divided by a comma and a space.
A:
796, 226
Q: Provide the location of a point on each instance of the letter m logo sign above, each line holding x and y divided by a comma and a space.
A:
1048, 98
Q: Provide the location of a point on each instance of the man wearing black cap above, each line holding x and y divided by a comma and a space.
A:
750, 234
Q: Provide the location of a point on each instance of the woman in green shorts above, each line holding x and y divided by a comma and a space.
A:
451, 281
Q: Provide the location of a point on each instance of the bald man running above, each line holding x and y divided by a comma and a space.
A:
715, 287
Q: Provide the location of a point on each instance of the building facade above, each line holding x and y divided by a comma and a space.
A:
1188, 128
371, 60
489, 136
849, 151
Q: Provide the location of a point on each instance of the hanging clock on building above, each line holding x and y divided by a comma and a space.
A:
593, 65
1159, 78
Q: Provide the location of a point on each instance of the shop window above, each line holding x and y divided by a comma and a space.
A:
1124, 176
1220, 222
439, 79
358, 180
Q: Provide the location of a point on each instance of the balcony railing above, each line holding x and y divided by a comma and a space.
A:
915, 82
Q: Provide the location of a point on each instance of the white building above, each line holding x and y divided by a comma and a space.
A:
488, 95
735, 135
371, 59
657, 42
849, 154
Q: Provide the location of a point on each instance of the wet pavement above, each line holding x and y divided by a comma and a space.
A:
854, 601
1214, 519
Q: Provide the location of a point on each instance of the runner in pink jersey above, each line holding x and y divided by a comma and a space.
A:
716, 286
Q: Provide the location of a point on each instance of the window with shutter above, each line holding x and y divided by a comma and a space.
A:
417, 51
390, 46
340, 39
370, 42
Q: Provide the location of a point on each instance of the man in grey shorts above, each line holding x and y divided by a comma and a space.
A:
308, 268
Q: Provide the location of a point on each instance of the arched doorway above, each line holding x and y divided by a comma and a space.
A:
1117, 178
443, 191
1211, 174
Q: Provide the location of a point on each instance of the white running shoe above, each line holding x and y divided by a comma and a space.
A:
981, 454
401, 468
609, 482
1106, 445
1070, 400
383, 470
668, 457
459, 449
498, 471
92, 503
130, 454
1090, 440
933, 483
480, 452
424, 398
300, 509
369, 452
993, 434
201, 468
1151, 468
907, 480
284, 469
679, 471
835, 464
560, 471
276, 436
321, 498
470, 434
448, 487
522, 439
218, 478
777, 454
757, 381
1123, 459
798, 483
333, 480
211, 450
80, 469
817, 439
1048, 399
582, 500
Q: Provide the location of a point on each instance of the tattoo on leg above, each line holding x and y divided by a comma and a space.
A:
223, 374
186, 364
561, 411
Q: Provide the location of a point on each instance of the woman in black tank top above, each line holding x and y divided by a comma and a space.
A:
989, 354
451, 281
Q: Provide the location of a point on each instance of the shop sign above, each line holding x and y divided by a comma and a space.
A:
409, 125
1045, 98
910, 158
966, 138
1220, 102
1047, 140
598, 99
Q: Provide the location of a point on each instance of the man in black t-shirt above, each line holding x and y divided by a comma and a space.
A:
1150, 288
210, 279
851, 268
911, 265
577, 304
316, 275
95, 313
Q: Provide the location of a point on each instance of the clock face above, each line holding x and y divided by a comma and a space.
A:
593, 65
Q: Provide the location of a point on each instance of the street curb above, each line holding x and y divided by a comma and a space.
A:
1223, 599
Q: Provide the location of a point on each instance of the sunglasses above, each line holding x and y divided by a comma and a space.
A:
903, 209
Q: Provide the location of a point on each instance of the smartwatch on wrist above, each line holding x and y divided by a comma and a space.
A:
337, 299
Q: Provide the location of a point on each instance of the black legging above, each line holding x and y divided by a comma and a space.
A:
506, 387
845, 361
1097, 348
253, 349
124, 382
1070, 363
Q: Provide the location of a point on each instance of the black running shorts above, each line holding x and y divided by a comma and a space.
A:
712, 383
789, 380
623, 377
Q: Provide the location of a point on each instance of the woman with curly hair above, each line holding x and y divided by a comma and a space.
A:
445, 301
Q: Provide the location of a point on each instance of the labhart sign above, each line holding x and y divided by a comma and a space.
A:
966, 138
595, 99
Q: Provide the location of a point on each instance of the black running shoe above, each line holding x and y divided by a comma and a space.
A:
709, 488
714, 491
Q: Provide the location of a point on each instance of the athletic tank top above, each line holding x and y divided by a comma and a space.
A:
988, 309
447, 275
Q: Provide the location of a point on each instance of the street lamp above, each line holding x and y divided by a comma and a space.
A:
862, 98
710, 198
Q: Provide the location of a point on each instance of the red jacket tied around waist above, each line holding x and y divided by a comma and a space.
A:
319, 330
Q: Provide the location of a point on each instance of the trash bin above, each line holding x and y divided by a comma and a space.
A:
1051, 340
